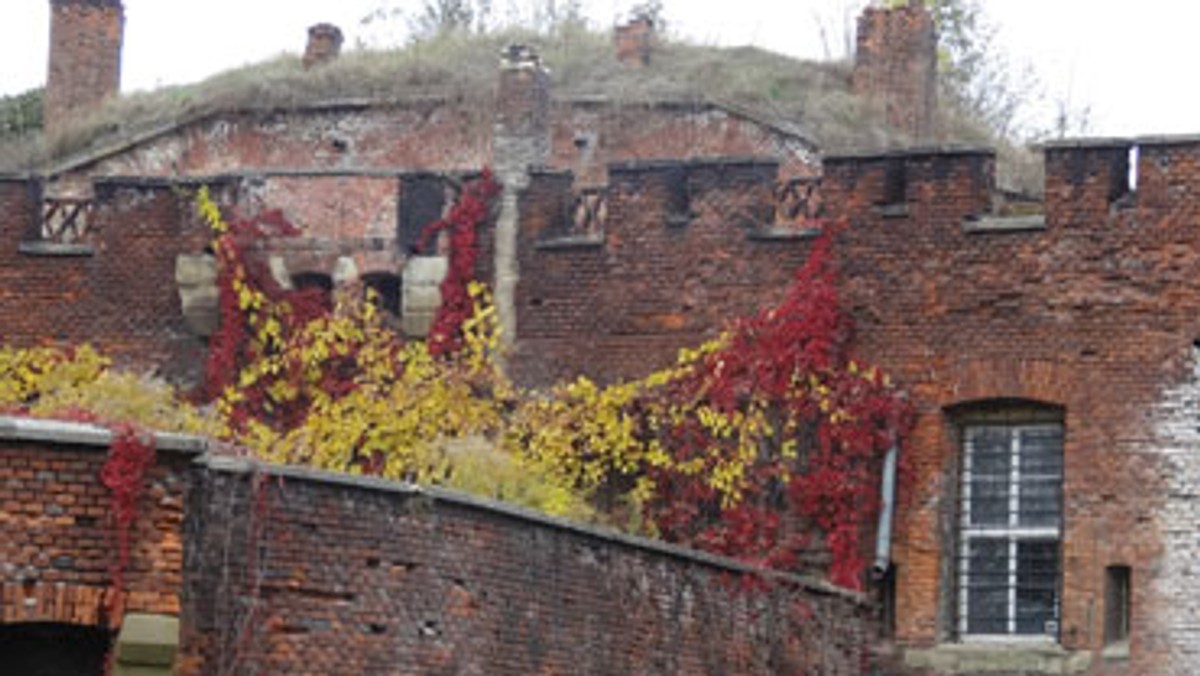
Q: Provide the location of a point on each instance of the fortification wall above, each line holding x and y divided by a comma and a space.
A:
1090, 309
57, 548
106, 277
354, 576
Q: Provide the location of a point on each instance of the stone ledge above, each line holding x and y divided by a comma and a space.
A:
1005, 224
55, 249
589, 241
87, 434
998, 658
782, 234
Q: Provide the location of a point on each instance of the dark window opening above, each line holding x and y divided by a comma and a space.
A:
422, 200
45, 649
679, 199
1116, 604
313, 280
895, 183
387, 291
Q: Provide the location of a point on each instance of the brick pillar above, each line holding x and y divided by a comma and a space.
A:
895, 66
85, 59
632, 41
522, 139
324, 44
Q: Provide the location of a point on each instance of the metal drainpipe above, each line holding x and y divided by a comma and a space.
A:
883, 536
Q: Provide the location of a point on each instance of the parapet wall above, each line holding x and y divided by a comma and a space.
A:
339, 575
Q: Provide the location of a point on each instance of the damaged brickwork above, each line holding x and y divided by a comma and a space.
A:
355, 576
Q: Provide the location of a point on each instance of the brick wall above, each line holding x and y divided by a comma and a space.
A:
435, 135
85, 59
56, 545
895, 66
682, 254
116, 289
360, 576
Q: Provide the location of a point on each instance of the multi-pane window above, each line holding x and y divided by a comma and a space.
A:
1010, 531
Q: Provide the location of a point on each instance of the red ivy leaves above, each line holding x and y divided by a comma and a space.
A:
793, 361
463, 221
130, 457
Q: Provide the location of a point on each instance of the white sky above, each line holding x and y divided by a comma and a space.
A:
1132, 64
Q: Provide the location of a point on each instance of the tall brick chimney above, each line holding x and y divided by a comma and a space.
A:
85, 59
632, 41
895, 66
522, 139
324, 44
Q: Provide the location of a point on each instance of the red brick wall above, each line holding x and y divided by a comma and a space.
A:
122, 297
624, 307
56, 546
85, 58
895, 66
437, 136
1096, 313
368, 577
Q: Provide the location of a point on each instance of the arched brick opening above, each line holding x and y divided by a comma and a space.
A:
53, 649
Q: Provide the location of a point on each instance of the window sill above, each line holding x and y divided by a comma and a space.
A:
564, 242
35, 248
999, 224
1116, 652
782, 234
1000, 658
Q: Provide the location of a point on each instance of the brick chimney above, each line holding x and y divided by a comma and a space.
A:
632, 41
85, 59
324, 44
895, 66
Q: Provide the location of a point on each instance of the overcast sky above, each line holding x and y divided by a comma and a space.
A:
1132, 64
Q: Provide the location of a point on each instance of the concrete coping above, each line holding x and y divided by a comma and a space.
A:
912, 152
1122, 142
1000, 224
695, 162
240, 465
17, 428
16, 177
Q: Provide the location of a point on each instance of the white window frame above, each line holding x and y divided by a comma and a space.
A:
1013, 532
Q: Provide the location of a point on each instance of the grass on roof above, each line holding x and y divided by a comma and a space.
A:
813, 97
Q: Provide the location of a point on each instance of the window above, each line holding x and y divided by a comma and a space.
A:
1010, 532
1116, 604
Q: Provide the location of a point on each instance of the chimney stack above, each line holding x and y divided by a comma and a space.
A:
85, 59
633, 40
324, 44
895, 66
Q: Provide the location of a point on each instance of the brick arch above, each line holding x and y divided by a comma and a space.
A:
52, 602
1008, 379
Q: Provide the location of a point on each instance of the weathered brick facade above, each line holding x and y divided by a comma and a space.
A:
85, 59
359, 576
289, 571
56, 543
